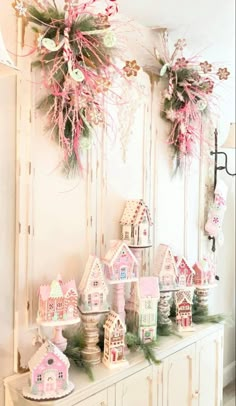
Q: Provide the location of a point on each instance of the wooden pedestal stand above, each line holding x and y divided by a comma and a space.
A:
91, 352
58, 339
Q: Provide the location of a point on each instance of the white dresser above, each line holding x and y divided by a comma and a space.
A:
190, 374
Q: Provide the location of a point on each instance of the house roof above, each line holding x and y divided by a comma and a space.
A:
162, 252
115, 251
46, 348
179, 259
91, 264
182, 295
112, 320
149, 287
56, 289
134, 213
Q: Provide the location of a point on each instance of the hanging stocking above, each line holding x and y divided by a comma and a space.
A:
216, 213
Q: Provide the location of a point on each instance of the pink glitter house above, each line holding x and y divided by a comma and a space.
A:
120, 263
204, 272
58, 301
49, 374
185, 272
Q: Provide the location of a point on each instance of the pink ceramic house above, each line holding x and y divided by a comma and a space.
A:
93, 290
136, 222
183, 302
58, 301
166, 269
49, 374
120, 263
142, 307
114, 341
204, 273
185, 272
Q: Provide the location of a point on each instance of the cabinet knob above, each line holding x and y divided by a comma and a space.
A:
196, 394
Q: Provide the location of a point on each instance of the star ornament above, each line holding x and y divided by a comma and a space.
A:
20, 8
223, 73
131, 68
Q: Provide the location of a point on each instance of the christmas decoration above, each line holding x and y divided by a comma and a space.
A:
216, 212
136, 221
49, 374
183, 302
185, 272
114, 341
74, 54
187, 98
134, 343
166, 269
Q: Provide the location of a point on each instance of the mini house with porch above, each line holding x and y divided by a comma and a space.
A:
92, 289
136, 222
49, 374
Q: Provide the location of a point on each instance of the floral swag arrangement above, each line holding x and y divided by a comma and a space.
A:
75, 50
187, 100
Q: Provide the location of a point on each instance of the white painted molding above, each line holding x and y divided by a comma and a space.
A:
229, 373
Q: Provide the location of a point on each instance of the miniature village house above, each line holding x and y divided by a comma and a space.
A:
49, 374
58, 301
166, 269
183, 302
142, 307
93, 290
136, 222
120, 263
185, 272
204, 272
114, 341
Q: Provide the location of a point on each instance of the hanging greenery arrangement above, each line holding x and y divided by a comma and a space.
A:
75, 51
187, 99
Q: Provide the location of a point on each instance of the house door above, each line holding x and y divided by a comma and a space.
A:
50, 381
70, 312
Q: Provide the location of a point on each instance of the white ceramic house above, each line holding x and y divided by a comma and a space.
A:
185, 272
136, 222
93, 289
142, 307
49, 374
120, 263
114, 341
166, 268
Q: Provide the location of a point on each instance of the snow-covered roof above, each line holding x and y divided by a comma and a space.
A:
134, 212
93, 263
182, 295
112, 320
149, 287
179, 259
162, 252
115, 250
56, 289
46, 348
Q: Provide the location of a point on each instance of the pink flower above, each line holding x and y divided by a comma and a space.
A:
180, 63
215, 220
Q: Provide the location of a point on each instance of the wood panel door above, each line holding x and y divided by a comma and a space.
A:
179, 378
209, 356
138, 389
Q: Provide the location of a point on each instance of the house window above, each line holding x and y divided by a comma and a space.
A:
148, 304
59, 305
60, 375
95, 284
101, 298
50, 361
126, 235
89, 299
51, 306
123, 272
39, 378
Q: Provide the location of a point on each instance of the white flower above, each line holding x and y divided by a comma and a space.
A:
171, 115
201, 104
109, 39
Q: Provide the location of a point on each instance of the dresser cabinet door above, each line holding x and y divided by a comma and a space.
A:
179, 378
137, 390
210, 367
103, 398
